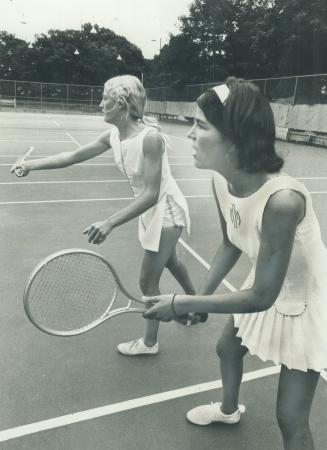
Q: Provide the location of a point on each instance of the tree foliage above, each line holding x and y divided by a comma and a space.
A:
178, 63
87, 56
14, 57
258, 38
302, 36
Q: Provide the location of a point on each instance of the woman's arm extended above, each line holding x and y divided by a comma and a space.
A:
152, 150
283, 213
65, 159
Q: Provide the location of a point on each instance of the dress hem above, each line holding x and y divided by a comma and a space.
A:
278, 363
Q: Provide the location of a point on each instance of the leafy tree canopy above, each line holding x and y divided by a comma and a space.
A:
87, 56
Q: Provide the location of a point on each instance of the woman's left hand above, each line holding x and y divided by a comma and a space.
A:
98, 231
160, 308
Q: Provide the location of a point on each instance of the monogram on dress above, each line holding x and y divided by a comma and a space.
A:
235, 216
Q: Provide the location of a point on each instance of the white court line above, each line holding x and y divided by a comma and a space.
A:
170, 135
60, 127
73, 139
104, 164
311, 178
100, 199
20, 183
112, 157
323, 374
127, 405
81, 200
31, 140
99, 156
204, 263
48, 131
55, 122
83, 164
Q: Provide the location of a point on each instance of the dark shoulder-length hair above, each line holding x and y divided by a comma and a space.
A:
247, 120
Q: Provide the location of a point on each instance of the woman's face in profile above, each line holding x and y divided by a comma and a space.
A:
110, 108
208, 143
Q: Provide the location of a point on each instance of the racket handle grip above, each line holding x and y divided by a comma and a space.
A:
202, 317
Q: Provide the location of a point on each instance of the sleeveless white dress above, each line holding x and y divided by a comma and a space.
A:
129, 157
293, 331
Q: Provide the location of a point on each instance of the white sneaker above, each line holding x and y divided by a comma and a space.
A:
206, 414
137, 347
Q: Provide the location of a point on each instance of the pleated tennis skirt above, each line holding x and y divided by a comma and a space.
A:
298, 342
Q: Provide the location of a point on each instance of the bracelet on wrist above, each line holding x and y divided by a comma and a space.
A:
176, 317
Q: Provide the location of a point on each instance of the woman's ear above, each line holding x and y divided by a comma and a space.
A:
121, 104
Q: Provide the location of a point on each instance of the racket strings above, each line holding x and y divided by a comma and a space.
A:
71, 292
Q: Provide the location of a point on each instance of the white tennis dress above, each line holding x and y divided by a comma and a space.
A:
293, 331
171, 207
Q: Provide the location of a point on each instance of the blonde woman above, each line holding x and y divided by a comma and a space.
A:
140, 152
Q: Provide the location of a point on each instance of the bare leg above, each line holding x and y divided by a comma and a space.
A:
180, 273
152, 267
295, 394
231, 353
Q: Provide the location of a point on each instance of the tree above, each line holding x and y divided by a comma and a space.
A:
178, 62
258, 38
226, 31
70, 56
15, 57
205, 26
302, 36
83, 57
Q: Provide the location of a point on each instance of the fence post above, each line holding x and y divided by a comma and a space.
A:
67, 103
41, 87
295, 90
264, 87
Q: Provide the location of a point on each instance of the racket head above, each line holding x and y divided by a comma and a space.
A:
71, 292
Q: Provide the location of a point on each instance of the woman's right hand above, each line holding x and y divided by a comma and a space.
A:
20, 169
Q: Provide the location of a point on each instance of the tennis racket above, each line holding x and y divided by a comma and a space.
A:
73, 291
19, 172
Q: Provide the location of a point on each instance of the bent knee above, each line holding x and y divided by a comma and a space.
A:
230, 348
172, 263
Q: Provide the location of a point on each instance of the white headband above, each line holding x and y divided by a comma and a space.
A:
222, 92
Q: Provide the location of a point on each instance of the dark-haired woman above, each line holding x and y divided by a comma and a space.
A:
280, 312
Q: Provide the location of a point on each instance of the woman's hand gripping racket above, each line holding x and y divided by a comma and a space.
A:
73, 291
18, 167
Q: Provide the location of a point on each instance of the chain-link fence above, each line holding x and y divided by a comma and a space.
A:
28, 95
307, 89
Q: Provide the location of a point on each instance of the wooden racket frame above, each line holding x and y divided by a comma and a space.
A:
106, 315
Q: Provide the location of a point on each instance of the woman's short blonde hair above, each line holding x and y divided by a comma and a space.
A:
130, 91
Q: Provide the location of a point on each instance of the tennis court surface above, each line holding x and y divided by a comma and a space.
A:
78, 393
